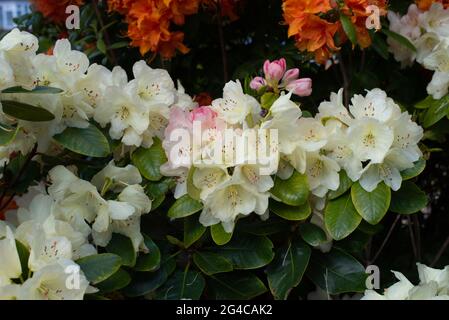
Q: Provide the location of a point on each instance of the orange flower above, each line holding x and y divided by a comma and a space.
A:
149, 23
315, 23
54, 10
426, 4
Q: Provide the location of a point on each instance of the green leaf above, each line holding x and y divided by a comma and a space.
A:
24, 255
184, 207
99, 267
192, 191
123, 247
148, 261
345, 185
336, 272
88, 141
247, 251
149, 161
287, 268
312, 234
25, 111
415, 171
349, 28
219, 235
117, 281
426, 103
101, 46
36, 90
408, 199
437, 111
340, 217
118, 45
182, 285
146, 282
193, 230
293, 191
211, 263
372, 206
267, 99
289, 212
7, 134
399, 38
235, 286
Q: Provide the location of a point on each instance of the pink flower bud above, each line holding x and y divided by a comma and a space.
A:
301, 87
275, 70
257, 83
290, 75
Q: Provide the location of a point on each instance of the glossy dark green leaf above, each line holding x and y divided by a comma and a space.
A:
115, 282
289, 212
88, 141
211, 263
293, 191
148, 261
340, 217
408, 199
123, 247
145, 282
182, 285
287, 269
345, 185
336, 272
149, 161
235, 286
415, 171
219, 235
25, 111
193, 230
312, 234
99, 267
248, 252
437, 111
184, 207
372, 206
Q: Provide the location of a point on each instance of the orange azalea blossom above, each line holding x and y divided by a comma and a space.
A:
356, 9
11, 206
54, 10
150, 22
314, 24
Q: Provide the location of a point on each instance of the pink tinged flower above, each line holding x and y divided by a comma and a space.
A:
257, 83
290, 75
301, 87
205, 115
274, 71
177, 139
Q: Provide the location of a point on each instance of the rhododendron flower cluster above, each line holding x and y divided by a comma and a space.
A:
59, 222
373, 141
135, 111
428, 31
150, 22
315, 24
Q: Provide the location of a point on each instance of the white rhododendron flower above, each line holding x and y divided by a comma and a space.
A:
433, 285
428, 31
